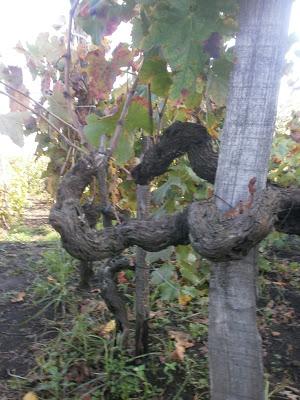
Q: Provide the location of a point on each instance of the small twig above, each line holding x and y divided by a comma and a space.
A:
63, 168
150, 108
41, 106
16, 376
87, 106
161, 114
120, 124
102, 179
142, 290
46, 120
68, 56
208, 85
68, 60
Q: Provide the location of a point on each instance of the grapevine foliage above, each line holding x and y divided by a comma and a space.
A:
181, 54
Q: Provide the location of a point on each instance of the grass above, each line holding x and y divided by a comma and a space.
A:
53, 286
84, 361
25, 234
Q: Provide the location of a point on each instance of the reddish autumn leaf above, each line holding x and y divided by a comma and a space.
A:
140, 100
84, 10
45, 83
14, 77
122, 277
100, 75
121, 56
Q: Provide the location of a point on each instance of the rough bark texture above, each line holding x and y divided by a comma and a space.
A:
76, 223
114, 300
221, 237
86, 243
236, 368
178, 139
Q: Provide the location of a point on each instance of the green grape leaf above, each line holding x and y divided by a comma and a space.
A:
137, 118
97, 126
168, 292
58, 104
163, 274
179, 29
219, 79
102, 18
52, 48
160, 194
154, 71
124, 150
187, 262
12, 124
181, 46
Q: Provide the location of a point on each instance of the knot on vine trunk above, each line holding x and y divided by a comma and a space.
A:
221, 237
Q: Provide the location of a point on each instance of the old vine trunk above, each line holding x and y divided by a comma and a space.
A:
235, 355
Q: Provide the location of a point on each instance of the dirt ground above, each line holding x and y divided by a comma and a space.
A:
279, 312
19, 331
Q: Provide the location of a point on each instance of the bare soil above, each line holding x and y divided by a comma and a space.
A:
19, 329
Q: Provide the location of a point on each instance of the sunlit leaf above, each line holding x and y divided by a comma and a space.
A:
12, 125
137, 118
184, 299
30, 396
101, 18
108, 328
58, 104
219, 80
154, 71
124, 150
50, 47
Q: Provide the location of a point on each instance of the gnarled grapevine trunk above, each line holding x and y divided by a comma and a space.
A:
235, 355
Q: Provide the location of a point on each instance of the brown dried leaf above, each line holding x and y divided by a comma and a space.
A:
19, 297
106, 329
30, 396
182, 342
275, 334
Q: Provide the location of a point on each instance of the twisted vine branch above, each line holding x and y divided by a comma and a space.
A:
282, 208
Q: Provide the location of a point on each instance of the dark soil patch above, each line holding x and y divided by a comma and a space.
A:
19, 329
280, 328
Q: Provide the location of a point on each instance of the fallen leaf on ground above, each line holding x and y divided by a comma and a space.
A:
50, 279
30, 396
92, 306
157, 314
108, 328
182, 342
122, 277
19, 297
275, 334
184, 299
